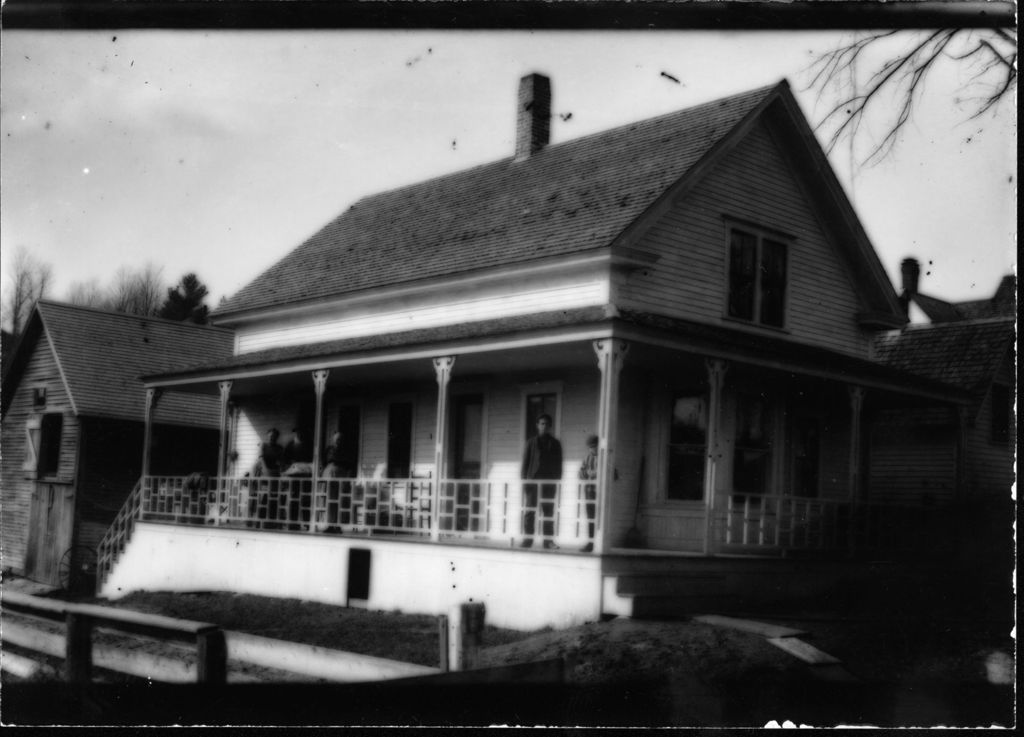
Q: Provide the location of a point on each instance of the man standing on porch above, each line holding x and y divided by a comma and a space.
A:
542, 459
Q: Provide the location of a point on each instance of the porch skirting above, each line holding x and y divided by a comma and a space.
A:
522, 589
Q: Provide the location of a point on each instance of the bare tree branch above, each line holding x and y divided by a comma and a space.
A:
30, 281
902, 74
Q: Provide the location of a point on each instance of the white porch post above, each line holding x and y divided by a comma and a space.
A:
443, 369
716, 380
856, 408
611, 353
320, 385
152, 396
857, 394
222, 455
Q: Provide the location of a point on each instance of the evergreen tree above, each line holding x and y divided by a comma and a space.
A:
185, 301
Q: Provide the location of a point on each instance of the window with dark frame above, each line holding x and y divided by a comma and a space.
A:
399, 440
757, 278
39, 397
49, 445
1000, 413
752, 459
537, 405
687, 448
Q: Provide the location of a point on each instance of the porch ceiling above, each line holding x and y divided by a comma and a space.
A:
419, 369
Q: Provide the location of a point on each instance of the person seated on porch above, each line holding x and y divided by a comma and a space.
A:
333, 459
542, 459
298, 456
271, 455
339, 495
588, 472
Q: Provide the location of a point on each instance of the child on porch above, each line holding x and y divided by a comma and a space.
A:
588, 472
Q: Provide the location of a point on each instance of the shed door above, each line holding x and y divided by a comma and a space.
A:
51, 526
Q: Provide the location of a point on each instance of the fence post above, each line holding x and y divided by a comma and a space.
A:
212, 661
78, 648
442, 636
465, 635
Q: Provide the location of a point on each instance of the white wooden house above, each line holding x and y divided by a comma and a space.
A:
694, 289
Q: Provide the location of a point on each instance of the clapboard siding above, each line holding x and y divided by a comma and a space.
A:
449, 306
754, 184
912, 456
16, 491
990, 462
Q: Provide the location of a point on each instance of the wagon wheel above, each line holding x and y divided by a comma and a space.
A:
77, 569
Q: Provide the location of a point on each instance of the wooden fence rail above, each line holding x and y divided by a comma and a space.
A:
81, 619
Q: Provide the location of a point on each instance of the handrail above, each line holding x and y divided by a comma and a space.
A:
445, 508
118, 534
80, 620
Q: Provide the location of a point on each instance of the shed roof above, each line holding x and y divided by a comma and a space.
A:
102, 354
567, 198
964, 354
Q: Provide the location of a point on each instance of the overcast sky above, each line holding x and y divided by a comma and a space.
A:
219, 152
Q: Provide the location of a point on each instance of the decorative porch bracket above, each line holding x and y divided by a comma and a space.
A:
320, 386
222, 455
152, 397
716, 380
443, 369
611, 353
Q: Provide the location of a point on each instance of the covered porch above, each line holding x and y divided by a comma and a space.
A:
702, 449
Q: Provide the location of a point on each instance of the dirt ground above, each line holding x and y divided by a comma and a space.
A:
900, 666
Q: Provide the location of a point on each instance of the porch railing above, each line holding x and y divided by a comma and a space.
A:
470, 509
117, 535
765, 524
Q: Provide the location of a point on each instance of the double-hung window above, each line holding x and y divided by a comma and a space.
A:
757, 277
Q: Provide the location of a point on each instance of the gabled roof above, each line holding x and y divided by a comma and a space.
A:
101, 355
1003, 303
568, 198
966, 354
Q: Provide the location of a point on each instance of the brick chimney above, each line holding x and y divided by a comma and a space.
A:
533, 122
910, 270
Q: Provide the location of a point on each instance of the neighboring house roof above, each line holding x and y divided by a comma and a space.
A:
567, 198
101, 355
1001, 304
965, 354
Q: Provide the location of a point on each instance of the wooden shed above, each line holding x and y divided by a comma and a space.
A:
72, 428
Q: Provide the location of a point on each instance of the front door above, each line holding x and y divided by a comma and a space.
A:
51, 530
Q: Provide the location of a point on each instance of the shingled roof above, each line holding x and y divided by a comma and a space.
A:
567, 198
965, 354
102, 354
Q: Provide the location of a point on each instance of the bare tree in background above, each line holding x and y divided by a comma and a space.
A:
88, 294
30, 279
985, 59
137, 292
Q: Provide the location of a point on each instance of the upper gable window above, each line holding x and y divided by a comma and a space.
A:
757, 277
39, 397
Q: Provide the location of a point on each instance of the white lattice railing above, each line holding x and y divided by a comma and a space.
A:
474, 509
764, 523
117, 536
